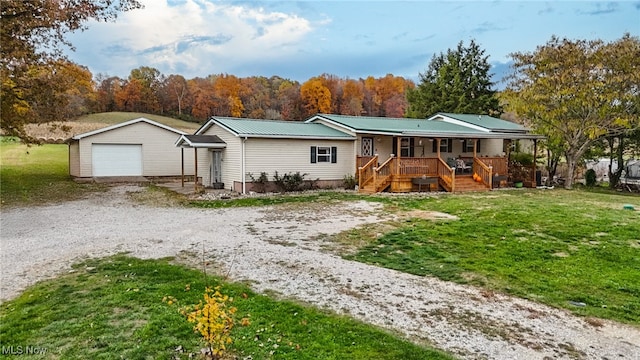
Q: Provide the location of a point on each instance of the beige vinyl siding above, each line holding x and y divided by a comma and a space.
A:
74, 158
231, 158
159, 155
293, 155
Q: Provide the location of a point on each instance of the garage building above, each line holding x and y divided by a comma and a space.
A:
139, 147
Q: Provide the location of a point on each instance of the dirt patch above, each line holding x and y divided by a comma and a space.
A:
428, 215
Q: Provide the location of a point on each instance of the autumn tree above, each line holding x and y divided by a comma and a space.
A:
148, 82
32, 36
352, 97
458, 82
203, 98
315, 96
174, 92
578, 91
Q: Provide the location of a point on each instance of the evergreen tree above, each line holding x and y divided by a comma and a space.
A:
457, 82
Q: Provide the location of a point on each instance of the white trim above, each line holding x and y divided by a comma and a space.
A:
458, 122
127, 123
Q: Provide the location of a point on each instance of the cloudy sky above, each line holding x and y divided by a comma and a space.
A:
302, 39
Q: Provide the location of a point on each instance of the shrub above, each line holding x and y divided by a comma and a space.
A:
261, 181
213, 320
522, 158
289, 181
349, 182
590, 177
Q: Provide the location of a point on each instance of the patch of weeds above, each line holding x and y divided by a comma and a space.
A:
158, 196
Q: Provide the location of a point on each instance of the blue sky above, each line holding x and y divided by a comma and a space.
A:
302, 39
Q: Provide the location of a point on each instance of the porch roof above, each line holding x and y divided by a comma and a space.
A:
421, 127
201, 141
484, 121
275, 129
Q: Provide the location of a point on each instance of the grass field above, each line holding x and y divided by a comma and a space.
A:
111, 118
60, 130
556, 247
38, 174
113, 308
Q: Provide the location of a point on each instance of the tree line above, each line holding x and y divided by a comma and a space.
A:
258, 97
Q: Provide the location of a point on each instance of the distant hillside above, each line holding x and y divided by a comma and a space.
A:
60, 130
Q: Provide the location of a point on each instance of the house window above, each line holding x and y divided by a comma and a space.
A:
446, 146
324, 154
467, 146
406, 146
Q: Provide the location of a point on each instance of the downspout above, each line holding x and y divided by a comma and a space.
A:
244, 180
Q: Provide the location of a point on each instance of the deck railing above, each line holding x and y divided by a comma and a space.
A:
418, 166
447, 175
361, 161
367, 172
500, 165
485, 172
386, 169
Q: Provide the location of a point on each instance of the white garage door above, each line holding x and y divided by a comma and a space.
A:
116, 159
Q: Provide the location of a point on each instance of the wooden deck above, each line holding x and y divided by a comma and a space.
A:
430, 174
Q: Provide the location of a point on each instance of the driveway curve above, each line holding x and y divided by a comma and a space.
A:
280, 249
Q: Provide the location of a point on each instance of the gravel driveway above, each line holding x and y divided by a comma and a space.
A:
281, 249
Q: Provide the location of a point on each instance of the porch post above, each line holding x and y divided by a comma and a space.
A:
195, 181
438, 147
535, 157
475, 147
182, 164
398, 147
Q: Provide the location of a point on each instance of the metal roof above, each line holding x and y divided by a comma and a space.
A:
276, 129
200, 141
370, 124
491, 128
485, 121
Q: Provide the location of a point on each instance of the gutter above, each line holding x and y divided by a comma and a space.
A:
244, 176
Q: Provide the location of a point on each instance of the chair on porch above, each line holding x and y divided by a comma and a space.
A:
462, 167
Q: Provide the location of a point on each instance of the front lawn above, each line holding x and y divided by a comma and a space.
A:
32, 175
572, 249
113, 308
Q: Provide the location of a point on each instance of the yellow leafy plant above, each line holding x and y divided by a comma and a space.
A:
213, 319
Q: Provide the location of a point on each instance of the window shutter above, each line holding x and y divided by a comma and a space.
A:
435, 146
334, 154
411, 147
313, 155
449, 146
394, 146
478, 145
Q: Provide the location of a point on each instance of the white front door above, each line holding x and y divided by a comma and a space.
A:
366, 148
216, 166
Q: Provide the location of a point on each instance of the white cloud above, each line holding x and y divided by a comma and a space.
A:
190, 37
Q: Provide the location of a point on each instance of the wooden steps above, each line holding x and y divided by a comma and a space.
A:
465, 183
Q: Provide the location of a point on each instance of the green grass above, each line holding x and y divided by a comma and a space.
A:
554, 247
325, 196
32, 175
111, 118
112, 308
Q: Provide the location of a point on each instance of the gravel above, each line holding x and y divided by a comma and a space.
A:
283, 249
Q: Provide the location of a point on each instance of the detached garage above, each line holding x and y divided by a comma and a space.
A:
139, 147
